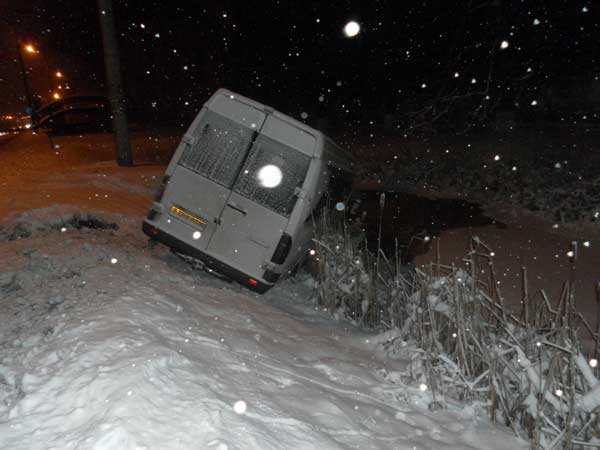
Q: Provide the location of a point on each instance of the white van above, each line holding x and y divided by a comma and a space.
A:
240, 191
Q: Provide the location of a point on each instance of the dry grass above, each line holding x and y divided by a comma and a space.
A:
528, 368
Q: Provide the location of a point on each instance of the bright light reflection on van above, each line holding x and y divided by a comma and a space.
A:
269, 176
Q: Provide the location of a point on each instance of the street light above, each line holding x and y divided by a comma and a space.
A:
56, 96
29, 49
58, 74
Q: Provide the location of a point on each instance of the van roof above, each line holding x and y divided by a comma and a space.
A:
344, 158
262, 107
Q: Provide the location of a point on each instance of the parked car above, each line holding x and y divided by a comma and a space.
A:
75, 115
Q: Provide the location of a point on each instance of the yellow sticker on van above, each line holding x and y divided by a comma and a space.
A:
180, 212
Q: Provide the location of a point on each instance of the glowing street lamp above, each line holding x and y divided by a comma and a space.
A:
29, 49
56, 96
58, 74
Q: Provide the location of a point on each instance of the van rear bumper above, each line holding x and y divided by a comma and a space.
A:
179, 246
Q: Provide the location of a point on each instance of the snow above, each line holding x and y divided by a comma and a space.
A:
145, 355
149, 354
351, 29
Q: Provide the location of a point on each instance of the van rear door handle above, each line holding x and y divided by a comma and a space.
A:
237, 207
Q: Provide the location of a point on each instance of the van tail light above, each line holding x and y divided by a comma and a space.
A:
283, 249
161, 189
252, 282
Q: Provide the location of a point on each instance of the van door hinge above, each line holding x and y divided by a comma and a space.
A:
300, 193
217, 220
189, 139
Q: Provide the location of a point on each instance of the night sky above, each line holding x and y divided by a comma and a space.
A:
449, 59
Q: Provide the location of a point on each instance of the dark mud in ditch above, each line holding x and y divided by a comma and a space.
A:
24, 227
413, 221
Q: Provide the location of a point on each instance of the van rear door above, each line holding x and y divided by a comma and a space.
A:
215, 149
263, 196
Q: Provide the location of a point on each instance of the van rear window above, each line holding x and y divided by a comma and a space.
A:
219, 150
271, 173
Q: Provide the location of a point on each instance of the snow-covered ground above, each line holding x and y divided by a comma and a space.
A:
109, 343
112, 345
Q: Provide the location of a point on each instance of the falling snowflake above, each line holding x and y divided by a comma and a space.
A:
533, 102
536, 21
497, 158
473, 81
423, 86
304, 115
503, 45
114, 260
456, 75
351, 29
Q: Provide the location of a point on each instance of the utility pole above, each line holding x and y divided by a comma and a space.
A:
26, 85
113, 80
